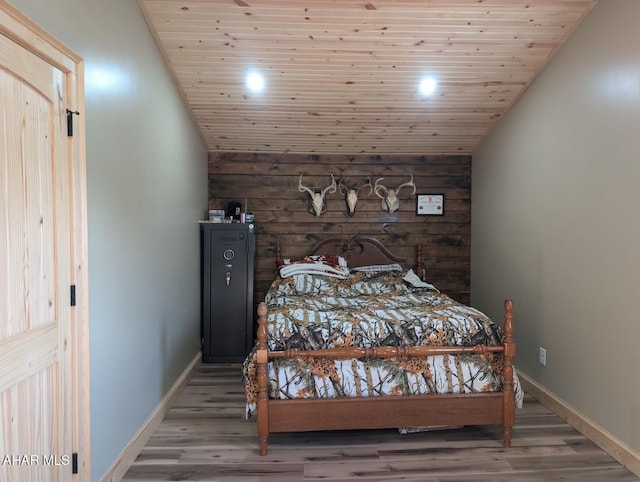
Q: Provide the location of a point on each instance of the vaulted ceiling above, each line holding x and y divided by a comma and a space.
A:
342, 76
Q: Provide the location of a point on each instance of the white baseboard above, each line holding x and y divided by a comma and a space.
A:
608, 442
141, 437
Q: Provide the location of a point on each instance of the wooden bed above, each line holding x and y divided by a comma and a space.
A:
311, 414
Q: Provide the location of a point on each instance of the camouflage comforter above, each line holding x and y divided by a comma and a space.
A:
308, 311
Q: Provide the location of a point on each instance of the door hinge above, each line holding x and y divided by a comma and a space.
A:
70, 114
73, 295
74, 463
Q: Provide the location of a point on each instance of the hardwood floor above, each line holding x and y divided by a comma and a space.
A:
205, 437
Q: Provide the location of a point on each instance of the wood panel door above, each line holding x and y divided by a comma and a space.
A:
38, 218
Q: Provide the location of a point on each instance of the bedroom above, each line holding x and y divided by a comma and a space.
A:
554, 191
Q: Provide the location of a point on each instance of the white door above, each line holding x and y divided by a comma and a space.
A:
37, 340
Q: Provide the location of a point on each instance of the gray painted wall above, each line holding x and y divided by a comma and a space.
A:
147, 184
555, 203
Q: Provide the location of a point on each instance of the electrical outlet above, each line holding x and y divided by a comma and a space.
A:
542, 356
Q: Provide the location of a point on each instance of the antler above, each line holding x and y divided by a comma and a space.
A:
341, 185
410, 183
377, 187
344, 189
302, 188
331, 187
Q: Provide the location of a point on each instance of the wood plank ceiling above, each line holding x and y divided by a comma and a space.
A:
342, 76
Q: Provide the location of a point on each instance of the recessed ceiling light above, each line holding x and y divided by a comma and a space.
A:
255, 82
428, 85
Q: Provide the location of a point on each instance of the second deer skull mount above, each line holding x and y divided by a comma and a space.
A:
317, 202
389, 197
351, 192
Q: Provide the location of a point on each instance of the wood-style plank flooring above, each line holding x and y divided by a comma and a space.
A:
204, 437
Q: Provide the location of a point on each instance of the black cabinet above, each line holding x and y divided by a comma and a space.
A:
228, 253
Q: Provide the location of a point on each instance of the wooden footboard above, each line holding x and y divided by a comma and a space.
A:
387, 411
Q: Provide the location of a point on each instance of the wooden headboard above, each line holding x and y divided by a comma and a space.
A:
358, 251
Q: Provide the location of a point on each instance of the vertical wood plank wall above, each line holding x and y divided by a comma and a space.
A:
269, 184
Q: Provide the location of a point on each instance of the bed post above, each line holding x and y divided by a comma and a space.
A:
262, 359
508, 397
420, 271
278, 256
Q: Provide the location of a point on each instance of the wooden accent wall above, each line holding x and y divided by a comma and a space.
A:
269, 184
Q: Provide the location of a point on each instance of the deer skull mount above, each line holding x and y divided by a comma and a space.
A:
317, 203
389, 197
351, 192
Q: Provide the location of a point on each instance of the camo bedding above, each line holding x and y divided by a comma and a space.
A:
366, 309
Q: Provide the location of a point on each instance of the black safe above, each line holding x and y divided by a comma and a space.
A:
228, 254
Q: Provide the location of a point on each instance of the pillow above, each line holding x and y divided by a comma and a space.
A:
377, 268
414, 280
326, 265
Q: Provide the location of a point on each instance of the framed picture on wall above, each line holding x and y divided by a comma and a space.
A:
430, 205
